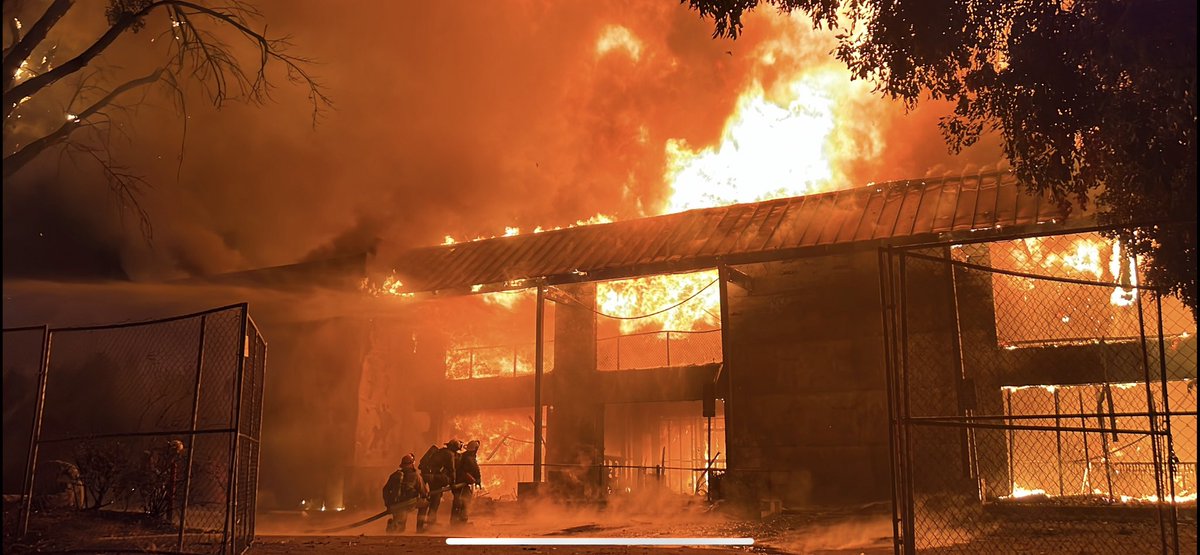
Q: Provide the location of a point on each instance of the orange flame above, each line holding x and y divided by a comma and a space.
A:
1083, 258
633, 298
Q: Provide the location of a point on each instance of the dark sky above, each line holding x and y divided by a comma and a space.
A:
450, 118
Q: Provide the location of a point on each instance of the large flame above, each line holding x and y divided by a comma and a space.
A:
798, 119
1084, 257
682, 302
505, 438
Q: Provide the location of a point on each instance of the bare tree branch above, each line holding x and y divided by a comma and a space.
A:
17, 160
24, 48
125, 185
219, 61
195, 55
14, 29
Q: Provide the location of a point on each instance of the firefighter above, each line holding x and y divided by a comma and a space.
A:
437, 467
404, 484
467, 477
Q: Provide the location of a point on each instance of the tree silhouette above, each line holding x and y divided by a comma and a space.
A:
1095, 100
195, 52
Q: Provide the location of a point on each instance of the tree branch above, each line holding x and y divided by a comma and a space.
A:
15, 30
24, 48
29, 87
17, 160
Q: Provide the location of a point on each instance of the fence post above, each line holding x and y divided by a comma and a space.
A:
231, 486
888, 319
668, 349
1171, 459
187, 477
36, 434
262, 384
1087, 455
1058, 439
1012, 477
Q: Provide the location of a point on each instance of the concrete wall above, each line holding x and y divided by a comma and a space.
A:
807, 414
575, 419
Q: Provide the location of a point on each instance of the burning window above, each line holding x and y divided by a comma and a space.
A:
1040, 311
658, 321
662, 444
1118, 467
494, 336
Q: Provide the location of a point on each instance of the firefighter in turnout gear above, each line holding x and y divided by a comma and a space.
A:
403, 485
437, 467
467, 474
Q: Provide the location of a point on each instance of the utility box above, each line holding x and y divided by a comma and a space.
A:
528, 491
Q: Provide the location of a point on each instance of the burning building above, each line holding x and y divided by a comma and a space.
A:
738, 346
744, 338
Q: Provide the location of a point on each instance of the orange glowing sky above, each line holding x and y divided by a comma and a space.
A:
463, 119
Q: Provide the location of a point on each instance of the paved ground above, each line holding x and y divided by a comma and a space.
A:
372, 545
863, 530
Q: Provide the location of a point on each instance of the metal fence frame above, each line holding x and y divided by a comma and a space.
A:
895, 306
243, 432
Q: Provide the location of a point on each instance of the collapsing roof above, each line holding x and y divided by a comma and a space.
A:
890, 212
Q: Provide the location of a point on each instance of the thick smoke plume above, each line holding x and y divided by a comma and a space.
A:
449, 118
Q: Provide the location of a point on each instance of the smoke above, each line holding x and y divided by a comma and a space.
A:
450, 118
643, 515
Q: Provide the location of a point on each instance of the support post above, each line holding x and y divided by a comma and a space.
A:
726, 367
538, 368
191, 450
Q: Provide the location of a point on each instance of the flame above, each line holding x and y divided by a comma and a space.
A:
505, 438
1019, 492
508, 299
632, 298
767, 151
618, 37
510, 231
798, 122
1083, 258
22, 71
391, 286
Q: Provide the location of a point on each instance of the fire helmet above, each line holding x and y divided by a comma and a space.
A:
407, 459
454, 444
473, 445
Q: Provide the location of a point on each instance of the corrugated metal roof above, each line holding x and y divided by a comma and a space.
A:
695, 239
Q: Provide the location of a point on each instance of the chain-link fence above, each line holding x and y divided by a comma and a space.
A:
24, 350
1041, 400
658, 349
146, 436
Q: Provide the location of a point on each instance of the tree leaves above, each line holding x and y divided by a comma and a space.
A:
1095, 100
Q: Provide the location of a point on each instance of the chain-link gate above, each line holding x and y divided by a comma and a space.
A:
146, 435
1041, 401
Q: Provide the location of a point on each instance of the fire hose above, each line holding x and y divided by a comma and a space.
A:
416, 502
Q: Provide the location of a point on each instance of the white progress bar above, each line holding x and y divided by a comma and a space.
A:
600, 541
